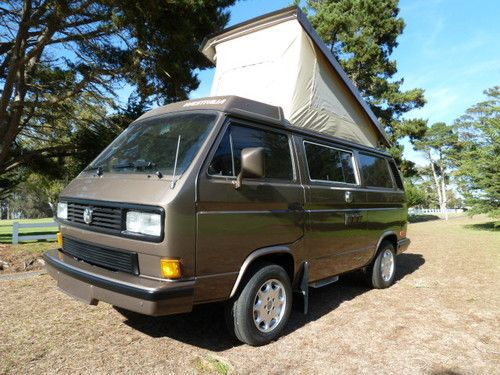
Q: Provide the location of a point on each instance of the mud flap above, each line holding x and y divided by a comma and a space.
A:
304, 287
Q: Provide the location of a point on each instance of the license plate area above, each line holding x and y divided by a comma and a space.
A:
76, 289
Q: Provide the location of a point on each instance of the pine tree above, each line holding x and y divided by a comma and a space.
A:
438, 145
362, 35
478, 159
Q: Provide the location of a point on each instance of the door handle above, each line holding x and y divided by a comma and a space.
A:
353, 218
348, 196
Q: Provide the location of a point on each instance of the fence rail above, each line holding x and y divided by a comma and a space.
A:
425, 211
17, 237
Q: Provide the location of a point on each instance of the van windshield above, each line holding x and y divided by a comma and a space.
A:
153, 145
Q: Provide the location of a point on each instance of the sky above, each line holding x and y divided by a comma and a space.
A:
449, 48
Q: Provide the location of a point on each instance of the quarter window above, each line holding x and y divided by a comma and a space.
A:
396, 175
329, 164
227, 158
375, 171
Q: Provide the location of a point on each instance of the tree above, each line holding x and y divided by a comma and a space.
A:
438, 144
362, 35
415, 196
35, 197
57, 55
478, 162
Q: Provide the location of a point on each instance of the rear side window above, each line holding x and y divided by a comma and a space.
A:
375, 171
227, 158
329, 164
396, 175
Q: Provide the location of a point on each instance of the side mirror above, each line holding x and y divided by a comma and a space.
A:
252, 164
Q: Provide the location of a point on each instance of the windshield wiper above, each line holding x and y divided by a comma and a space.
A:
139, 164
98, 168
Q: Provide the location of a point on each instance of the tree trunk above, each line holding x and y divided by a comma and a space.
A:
437, 184
444, 195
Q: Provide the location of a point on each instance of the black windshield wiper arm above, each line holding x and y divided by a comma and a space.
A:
137, 164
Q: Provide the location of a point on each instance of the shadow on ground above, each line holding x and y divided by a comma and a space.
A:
491, 226
205, 326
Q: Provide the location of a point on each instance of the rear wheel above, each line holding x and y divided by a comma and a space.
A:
382, 272
260, 312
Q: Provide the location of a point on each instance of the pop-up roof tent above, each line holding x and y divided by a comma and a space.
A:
279, 59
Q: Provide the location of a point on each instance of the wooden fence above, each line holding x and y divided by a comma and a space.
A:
426, 211
16, 237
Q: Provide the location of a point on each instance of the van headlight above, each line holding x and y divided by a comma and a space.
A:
143, 223
62, 210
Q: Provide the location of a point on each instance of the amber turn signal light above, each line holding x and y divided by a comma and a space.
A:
59, 239
171, 268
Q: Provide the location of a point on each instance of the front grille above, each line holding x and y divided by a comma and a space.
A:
116, 260
103, 217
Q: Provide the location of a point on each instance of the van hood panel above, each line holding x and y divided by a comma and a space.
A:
120, 188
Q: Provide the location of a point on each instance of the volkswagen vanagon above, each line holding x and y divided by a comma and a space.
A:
221, 199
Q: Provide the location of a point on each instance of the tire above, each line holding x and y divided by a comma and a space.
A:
382, 272
260, 312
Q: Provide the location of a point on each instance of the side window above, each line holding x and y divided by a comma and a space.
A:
329, 164
222, 163
227, 158
396, 175
375, 171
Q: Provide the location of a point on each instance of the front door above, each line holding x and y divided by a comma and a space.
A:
232, 223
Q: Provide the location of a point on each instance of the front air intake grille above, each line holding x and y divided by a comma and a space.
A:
115, 260
103, 217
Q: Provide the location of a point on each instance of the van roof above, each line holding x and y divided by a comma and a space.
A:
251, 110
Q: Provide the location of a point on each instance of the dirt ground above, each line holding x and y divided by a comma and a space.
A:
13, 259
441, 317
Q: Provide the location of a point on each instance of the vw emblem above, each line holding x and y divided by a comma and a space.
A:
87, 215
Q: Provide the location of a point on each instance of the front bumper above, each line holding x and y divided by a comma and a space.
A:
92, 284
403, 245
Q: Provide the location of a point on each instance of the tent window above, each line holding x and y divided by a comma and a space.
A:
329, 164
227, 159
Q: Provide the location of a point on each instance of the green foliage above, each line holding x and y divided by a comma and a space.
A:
439, 144
362, 35
61, 63
478, 161
415, 196
36, 195
439, 139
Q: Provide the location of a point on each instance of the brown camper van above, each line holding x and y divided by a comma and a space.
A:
222, 199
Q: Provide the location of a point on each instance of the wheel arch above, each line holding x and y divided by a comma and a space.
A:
390, 236
280, 255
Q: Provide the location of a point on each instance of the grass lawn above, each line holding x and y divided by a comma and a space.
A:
6, 231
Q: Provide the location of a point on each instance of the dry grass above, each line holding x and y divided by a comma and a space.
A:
441, 317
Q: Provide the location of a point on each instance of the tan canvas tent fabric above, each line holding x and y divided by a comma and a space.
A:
279, 59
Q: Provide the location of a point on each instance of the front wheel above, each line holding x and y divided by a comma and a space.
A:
382, 272
260, 312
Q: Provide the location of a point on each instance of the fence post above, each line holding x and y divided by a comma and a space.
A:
15, 233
